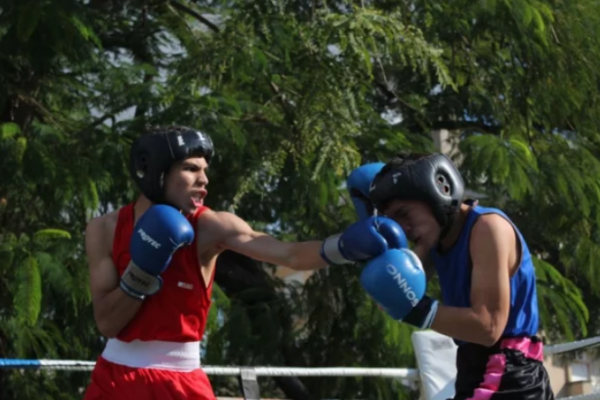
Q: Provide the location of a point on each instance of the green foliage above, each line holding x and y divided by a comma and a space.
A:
560, 301
28, 295
293, 95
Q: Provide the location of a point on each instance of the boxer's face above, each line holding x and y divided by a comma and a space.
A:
417, 221
185, 184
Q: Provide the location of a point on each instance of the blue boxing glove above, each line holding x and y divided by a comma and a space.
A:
397, 282
363, 240
159, 232
358, 184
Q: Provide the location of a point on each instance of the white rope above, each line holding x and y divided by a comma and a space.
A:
591, 396
74, 365
400, 373
564, 347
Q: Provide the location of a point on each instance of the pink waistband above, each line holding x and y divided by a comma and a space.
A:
530, 348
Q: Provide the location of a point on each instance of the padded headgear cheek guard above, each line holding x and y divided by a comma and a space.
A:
432, 179
152, 156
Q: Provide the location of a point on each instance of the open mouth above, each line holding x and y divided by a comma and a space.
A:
198, 197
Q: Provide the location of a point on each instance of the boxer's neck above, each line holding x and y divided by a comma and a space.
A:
142, 204
455, 230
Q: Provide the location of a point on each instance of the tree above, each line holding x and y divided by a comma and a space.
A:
293, 95
526, 114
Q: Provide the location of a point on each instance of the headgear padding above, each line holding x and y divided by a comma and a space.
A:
432, 179
153, 154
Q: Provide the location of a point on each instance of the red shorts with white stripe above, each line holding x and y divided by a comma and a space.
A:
119, 382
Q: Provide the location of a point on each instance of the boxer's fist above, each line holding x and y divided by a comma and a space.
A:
358, 184
397, 282
364, 240
160, 231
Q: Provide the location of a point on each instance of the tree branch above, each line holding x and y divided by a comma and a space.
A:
284, 105
236, 273
466, 125
392, 94
98, 121
194, 14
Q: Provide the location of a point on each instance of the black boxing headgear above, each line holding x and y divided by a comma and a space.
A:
153, 154
432, 179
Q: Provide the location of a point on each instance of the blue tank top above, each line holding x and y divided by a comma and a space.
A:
454, 271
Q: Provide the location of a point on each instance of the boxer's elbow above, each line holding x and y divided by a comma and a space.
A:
110, 320
305, 256
107, 327
108, 331
490, 336
491, 330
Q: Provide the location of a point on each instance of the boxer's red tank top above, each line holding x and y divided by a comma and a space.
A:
179, 311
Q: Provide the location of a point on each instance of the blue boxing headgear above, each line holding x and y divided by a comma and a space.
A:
153, 154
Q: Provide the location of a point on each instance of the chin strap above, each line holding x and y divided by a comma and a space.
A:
445, 230
446, 227
444, 233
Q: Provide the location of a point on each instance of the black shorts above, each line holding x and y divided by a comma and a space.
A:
512, 369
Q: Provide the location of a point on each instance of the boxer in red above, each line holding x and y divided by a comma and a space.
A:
152, 266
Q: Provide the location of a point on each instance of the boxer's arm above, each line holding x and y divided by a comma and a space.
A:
113, 309
493, 241
230, 232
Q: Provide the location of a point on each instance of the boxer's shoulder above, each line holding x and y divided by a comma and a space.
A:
489, 226
215, 227
100, 230
210, 227
217, 222
105, 222
493, 240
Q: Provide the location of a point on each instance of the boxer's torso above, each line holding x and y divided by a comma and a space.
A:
454, 270
513, 367
179, 311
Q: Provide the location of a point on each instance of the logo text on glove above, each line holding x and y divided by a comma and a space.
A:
147, 238
137, 279
402, 284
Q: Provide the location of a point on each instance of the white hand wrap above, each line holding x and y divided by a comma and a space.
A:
138, 283
330, 251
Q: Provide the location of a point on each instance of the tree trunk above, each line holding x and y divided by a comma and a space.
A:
236, 273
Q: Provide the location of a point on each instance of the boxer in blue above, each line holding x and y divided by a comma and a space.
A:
488, 284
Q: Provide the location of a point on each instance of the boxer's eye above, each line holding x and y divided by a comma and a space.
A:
401, 214
192, 168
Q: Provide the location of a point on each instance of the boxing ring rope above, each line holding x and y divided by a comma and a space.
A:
400, 373
248, 374
72, 365
565, 347
591, 396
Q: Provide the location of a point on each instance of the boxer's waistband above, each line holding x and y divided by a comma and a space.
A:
155, 354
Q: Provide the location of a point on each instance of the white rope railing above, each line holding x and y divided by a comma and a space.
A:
401, 373
564, 347
405, 374
73, 365
591, 396
398, 373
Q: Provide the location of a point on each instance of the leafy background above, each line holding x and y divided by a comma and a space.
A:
295, 94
